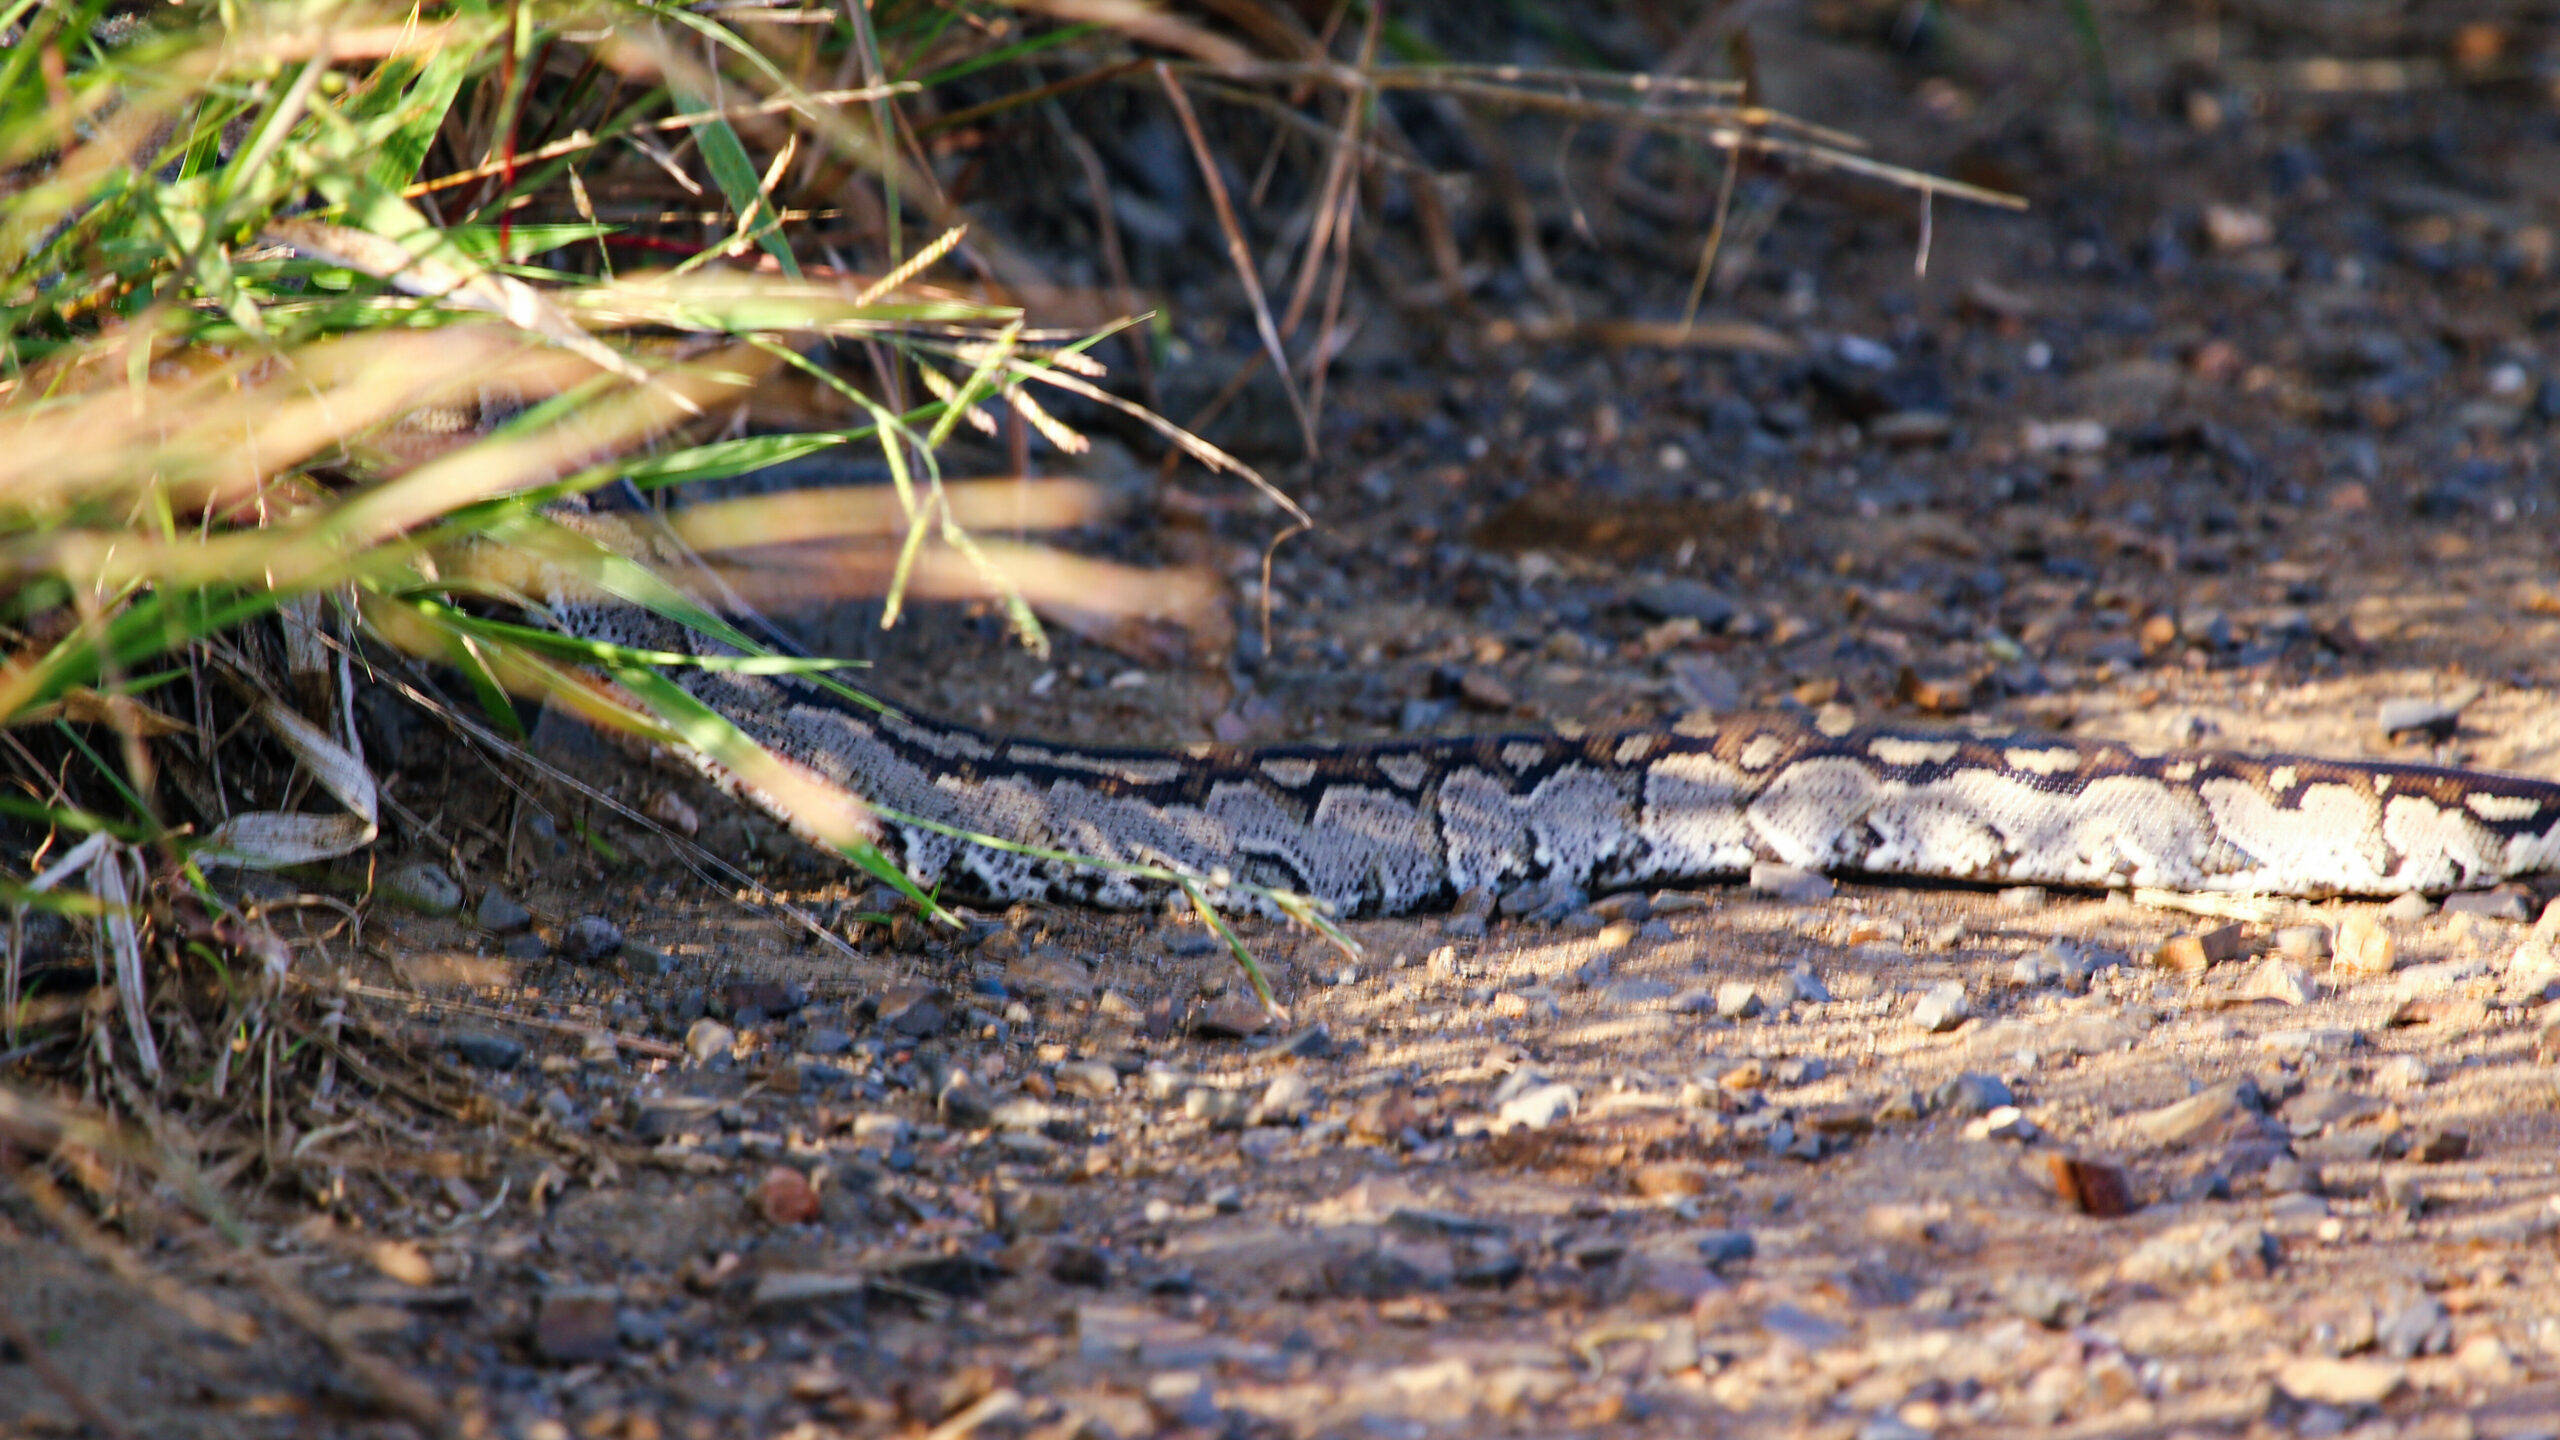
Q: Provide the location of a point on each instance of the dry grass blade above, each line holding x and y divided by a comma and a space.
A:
1146, 24
437, 272
806, 516
581, 141
116, 893
1239, 254
273, 839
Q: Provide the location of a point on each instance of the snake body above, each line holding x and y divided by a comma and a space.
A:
1405, 825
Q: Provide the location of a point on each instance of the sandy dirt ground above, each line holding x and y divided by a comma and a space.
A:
2240, 434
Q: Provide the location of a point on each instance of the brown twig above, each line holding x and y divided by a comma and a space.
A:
1239, 253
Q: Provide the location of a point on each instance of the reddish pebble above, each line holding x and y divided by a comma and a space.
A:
786, 1197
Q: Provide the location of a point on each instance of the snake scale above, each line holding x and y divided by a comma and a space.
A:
1403, 825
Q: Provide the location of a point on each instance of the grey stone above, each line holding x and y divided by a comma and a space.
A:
499, 913
1799, 1070
1640, 991
1422, 1222
1285, 1101
2288, 1175
577, 1324
589, 939
2297, 1208
420, 885
2048, 1302
1091, 1079
2402, 1072
1183, 1398
2030, 972
1540, 1106
489, 1052
879, 1128
1737, 1000
2004, 1122
2411, 906
784, 1292
2490, 904
1223, 1109
2437, 717
1313, 1043
2087, 1035
1702, 684
1942, 1007
2306, 943
1719, 1248
914, 1010
1801, 1327
1971, 1093
2230, 1110
2281, 980
2422, 1327
1021, 1113
524, 947
1678, 599
707, 1038
2219, 1251
661, 1118
825, 1040
2311, 1040
966, 1104
647, 962
1791, 883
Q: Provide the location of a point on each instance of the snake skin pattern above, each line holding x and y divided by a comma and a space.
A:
1397, 826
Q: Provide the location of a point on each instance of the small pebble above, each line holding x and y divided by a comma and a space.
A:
1791, 883
2305, 943
2312, 1040
2489, 905
1737, 1000
2365, 946
1971, 1093
500, 914
1090, 1079
2402, 1072
2422, 1327
1285, 1101
1223, 1109
707, 1038
2437, 717
1166, 1082
422, 886
2281, 980
1942, 1007
2002, 1122
589, 939
489, 1052
1540, 1106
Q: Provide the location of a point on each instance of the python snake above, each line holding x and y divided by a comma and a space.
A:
1403, 825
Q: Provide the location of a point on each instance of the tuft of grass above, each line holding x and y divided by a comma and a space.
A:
313, 314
